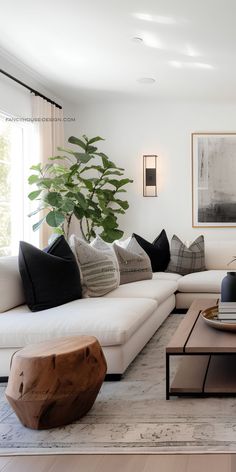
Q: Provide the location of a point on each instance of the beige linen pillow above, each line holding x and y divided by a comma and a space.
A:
98, 266
133, 261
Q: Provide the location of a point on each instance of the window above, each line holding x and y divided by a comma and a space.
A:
14, 170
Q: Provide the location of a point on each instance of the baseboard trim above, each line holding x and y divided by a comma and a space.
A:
3, 379
180, 311
113, 377
108, 378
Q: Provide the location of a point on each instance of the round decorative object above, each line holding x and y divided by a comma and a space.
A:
55, 382
210, 317
228, 287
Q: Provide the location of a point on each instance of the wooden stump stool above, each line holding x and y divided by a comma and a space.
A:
55, 382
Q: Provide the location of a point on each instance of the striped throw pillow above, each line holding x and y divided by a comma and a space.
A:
98, 266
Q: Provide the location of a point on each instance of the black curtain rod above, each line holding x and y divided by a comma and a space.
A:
29, 88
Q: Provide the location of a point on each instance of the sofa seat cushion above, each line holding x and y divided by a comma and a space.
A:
158, 290
207, 281
111, 321
166, 276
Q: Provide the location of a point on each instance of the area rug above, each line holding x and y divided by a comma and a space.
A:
133, 416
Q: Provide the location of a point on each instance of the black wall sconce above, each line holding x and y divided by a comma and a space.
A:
150, 175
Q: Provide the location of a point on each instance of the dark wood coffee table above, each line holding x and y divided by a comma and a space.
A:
208, 365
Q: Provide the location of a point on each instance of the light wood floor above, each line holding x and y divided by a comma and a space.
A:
120, 463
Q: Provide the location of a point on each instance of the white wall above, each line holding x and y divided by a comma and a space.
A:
132, 129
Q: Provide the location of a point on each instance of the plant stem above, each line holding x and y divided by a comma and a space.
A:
81, 229
68, 221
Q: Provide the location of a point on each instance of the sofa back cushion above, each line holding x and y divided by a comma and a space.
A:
218, 254
11, 287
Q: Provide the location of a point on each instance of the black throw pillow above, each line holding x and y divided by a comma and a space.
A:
158, 251
50, 277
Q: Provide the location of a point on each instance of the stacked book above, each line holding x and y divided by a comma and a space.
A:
227, 311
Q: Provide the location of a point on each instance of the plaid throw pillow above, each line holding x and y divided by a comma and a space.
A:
183, 259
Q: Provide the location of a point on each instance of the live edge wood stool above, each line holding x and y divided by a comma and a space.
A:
56, 382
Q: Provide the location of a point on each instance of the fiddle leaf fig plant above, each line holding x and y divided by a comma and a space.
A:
82, 183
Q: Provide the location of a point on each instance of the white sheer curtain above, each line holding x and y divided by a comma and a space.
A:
49, 134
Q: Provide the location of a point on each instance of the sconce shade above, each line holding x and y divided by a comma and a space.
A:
150, 175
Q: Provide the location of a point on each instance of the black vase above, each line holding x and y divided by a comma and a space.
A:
228, 287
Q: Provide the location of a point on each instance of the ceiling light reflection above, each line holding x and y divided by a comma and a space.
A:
189, 51
164, 20
190, 65
151, 40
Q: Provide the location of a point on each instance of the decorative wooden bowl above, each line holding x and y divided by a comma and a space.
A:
210, 317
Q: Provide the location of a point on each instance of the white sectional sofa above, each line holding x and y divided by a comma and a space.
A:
207, 284
123, 320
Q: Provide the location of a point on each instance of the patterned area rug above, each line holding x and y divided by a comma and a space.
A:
133, 416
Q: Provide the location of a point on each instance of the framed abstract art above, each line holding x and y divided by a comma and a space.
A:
214, 179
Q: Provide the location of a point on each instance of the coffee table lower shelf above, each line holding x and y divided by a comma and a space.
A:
203, 375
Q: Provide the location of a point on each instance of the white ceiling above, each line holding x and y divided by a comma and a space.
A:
84, 48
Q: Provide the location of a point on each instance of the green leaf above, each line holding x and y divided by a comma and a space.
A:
46, 183
71, 186
54, 199
82, 157
37, 225
54, 218
114, 182
98, 168
77, 155
81, 200
109, 222
62, 149
77, 141
113, 172
67, 206
94, 140
33, 179
120, 183
106, 161
102, 155
105, 196
32, 213
37, 167
58, 231
34, 194
47, 167
123, 203
73, 169
88, 184
111, 235
91, 149
60, 158
78, 212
